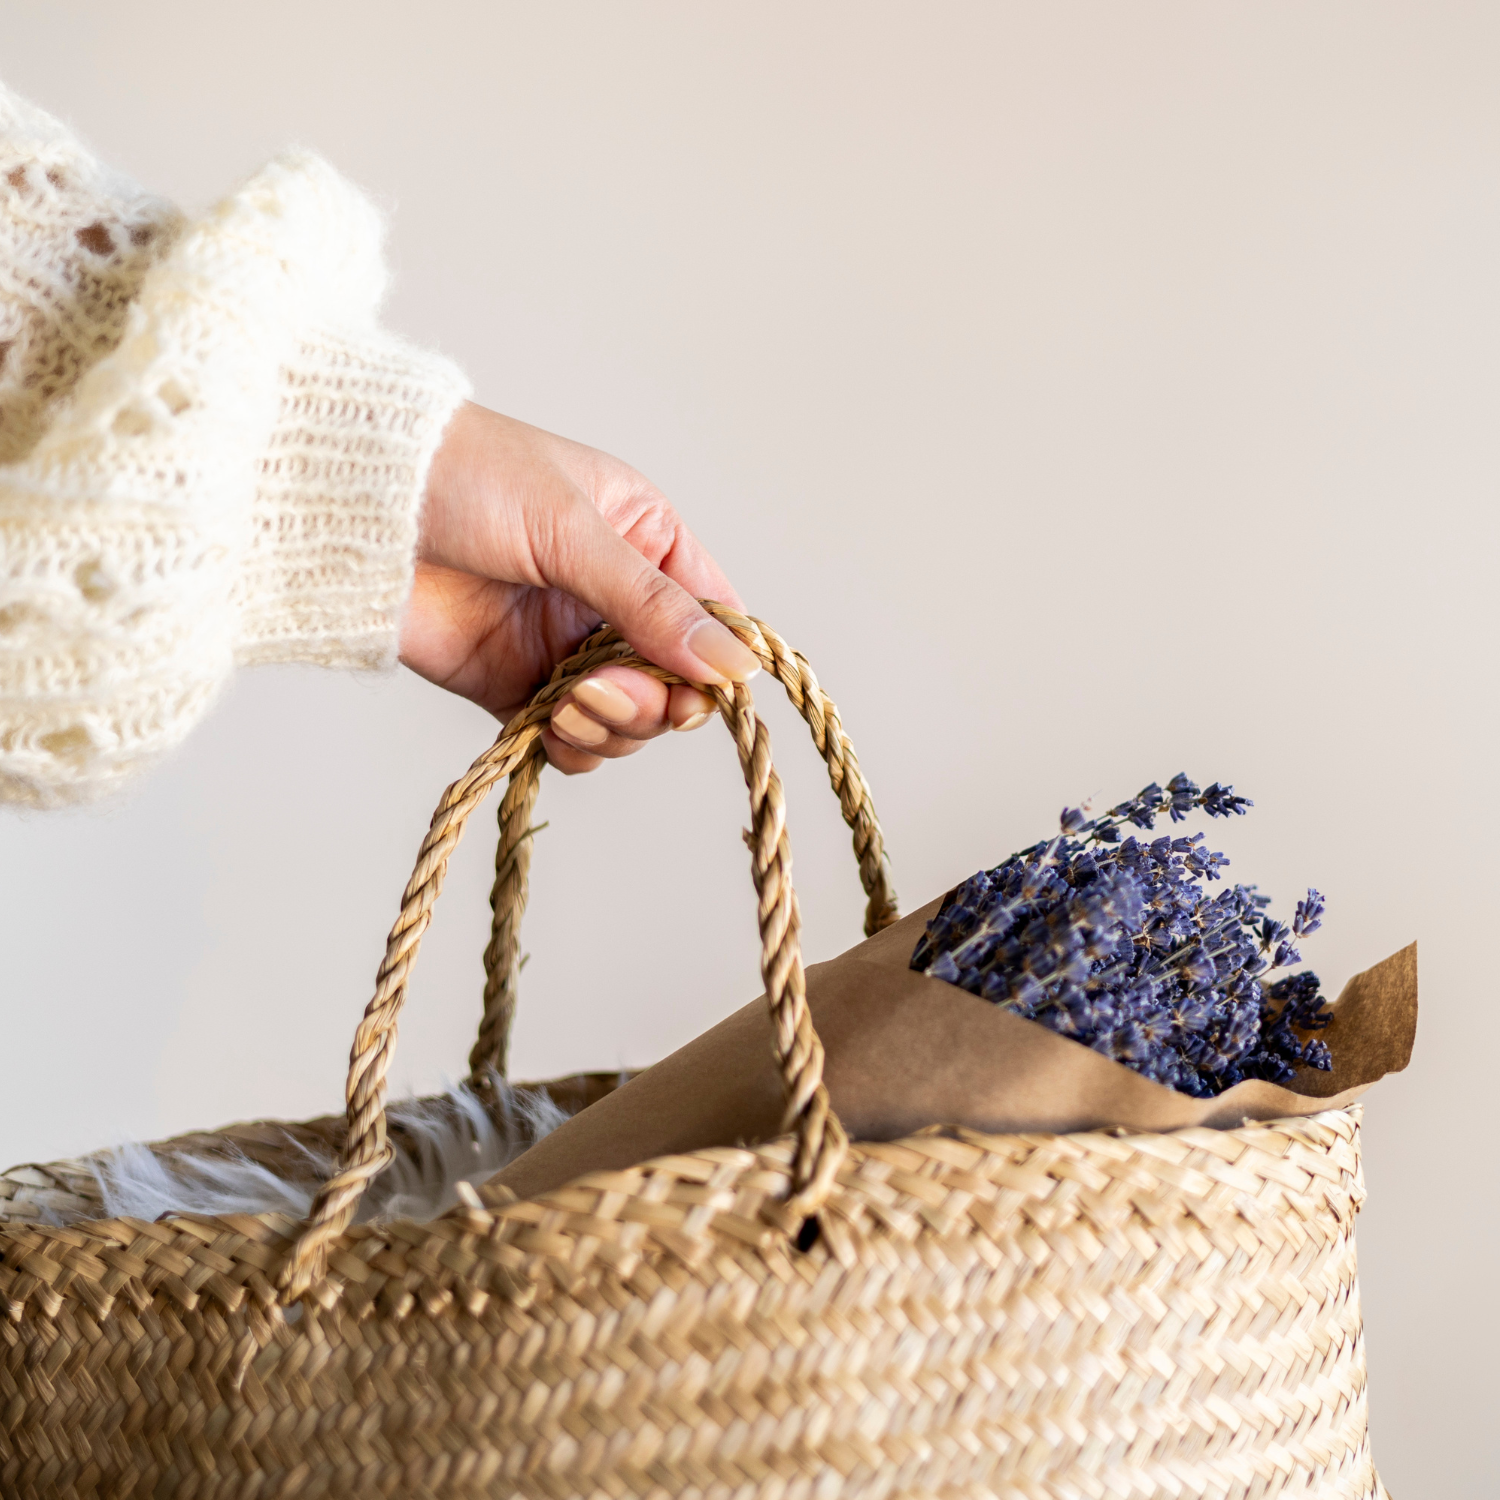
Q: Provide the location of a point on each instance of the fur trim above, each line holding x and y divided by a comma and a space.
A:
448, 1140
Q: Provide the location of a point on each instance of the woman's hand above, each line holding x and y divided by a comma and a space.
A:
528, 541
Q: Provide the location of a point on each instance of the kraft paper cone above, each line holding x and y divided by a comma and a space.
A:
905, 1052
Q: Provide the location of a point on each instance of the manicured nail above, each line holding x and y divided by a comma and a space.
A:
696, 722
603, 699
573, 724
719, 649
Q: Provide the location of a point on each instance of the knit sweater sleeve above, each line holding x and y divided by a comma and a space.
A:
210, 451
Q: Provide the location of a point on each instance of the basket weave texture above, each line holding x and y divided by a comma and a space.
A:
1032, 1317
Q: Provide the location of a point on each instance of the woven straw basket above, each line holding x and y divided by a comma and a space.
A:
1032, 1317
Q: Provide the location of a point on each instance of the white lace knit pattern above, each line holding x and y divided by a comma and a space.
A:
210, 453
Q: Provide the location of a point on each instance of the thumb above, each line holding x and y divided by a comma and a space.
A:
658, 617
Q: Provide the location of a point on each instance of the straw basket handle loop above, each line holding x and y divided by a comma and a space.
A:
502, 958
821, 1140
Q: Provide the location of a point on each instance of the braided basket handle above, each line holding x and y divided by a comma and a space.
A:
821, 1139
502, 957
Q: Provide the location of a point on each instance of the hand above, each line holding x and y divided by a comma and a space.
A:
528, 541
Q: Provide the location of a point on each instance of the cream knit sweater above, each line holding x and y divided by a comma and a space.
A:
210, 453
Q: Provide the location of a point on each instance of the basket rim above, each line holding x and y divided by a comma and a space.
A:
83, 1249
770, 1149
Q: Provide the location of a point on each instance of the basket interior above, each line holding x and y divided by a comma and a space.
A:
270, 1165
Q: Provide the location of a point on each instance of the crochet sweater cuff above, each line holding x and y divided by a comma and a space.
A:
338, 495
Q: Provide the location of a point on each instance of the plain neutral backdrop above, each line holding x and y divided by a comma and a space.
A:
1093, 392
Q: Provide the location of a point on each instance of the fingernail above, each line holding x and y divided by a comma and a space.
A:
574, 724
696, 722
603, 698
718, 648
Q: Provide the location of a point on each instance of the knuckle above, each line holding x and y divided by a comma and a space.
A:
655, 595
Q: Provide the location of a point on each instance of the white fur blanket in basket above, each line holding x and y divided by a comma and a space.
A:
440, 1142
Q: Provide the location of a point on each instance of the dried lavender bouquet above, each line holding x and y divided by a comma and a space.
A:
1115, 942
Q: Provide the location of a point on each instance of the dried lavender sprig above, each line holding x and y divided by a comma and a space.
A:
1180, 797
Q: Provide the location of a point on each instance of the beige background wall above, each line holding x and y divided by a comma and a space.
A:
1092, 391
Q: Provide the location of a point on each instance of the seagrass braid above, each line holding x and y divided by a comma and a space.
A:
821, 1143
365, 1151
821, 1140
502, 956
513, 855
794, 673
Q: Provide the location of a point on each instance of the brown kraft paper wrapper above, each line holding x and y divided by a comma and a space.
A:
905, 1052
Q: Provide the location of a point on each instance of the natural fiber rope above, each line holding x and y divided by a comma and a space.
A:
821, 1140
502, 958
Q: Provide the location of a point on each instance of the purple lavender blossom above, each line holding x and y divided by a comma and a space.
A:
1115, 942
